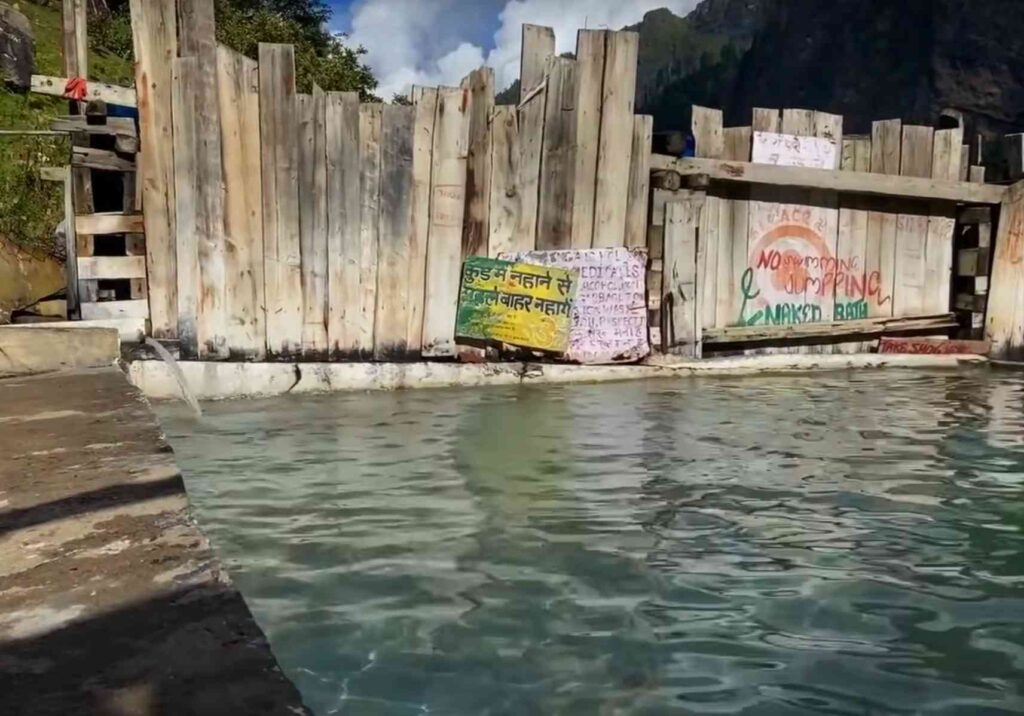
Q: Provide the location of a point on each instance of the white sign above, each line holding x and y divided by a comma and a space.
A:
788, 150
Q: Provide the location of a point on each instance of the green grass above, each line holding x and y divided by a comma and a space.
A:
30, 209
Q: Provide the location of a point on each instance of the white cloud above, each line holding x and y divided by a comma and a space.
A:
424, 41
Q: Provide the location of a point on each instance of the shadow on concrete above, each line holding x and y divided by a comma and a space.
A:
194, 651
92, 500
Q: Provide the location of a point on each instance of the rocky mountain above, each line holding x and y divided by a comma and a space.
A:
864, 59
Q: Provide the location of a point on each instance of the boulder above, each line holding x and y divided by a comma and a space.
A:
17, 48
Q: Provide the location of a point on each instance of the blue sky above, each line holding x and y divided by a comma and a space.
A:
434, 42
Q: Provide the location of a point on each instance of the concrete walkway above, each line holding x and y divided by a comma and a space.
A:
111, 600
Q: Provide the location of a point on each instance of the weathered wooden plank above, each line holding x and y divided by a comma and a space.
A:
639, 198
1004, 323
538, 46
102, 159
155, 41
555, 211
709, 140
479, 92
863, 327
185, 72
71, 246
74, 27
880, 249
766, 120
708, 133
444, 249
736, 143
423, 151
110, 223
343, 252
912, 227
96, 91
852, 280
531, 146
831, 180
115, 309
829, 126
681, 329
942, 222
799, 122
370, 125
281, 234
312, 111
590, 67
616, 142
505, 200
111, 267
197, 39
396, 203
238, 90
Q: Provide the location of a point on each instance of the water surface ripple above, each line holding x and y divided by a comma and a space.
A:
837, 543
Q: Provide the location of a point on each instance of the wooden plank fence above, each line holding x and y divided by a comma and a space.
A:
317, 227
802, 255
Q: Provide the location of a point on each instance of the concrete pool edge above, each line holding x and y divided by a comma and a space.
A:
112, 599
226, 381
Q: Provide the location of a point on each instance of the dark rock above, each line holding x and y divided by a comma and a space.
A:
17, 48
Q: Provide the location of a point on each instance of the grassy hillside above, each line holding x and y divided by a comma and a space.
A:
29, 208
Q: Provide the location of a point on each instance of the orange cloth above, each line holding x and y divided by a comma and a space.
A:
77, 88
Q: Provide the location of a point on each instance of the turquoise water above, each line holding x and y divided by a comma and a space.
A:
846, 543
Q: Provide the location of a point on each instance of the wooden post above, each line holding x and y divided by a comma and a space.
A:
156, 44
709, 139
71, 246
370, 126
185, 76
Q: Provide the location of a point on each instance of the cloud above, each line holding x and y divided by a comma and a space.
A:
437, 42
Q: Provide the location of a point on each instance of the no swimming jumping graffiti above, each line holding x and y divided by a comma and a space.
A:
793, 276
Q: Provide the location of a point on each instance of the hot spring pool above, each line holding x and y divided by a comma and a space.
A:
846, 543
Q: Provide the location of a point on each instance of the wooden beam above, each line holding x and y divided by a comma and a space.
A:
831, 180
111, 94
100, 159
112, 223
111, 267
864, 327
53, 173
554, 213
